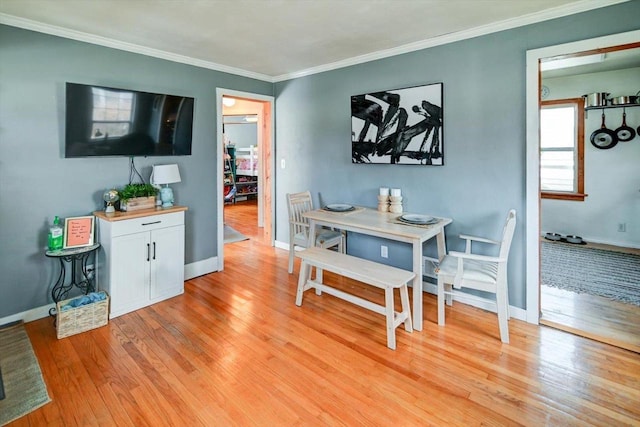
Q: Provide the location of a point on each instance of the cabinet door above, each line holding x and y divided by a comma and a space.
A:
129, 272
167, 263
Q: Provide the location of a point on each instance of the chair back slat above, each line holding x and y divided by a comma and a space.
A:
299, 203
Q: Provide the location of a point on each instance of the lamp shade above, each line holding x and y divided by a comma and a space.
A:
165, 174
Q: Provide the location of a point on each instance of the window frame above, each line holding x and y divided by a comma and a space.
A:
106, 122
579, 194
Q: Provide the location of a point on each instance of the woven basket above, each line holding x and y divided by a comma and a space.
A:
83, 318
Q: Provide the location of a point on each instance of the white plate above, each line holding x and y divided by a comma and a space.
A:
339, 207
418, 219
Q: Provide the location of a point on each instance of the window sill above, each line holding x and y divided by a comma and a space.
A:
575, 197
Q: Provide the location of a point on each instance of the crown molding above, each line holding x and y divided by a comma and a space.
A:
28, 24
557, 12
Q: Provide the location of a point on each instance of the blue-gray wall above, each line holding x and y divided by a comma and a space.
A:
37, 182
484, 134
483, 176
242, 135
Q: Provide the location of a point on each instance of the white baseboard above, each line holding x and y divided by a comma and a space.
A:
200, 268
514, 312
621, 244
195, 269
29, 315
610, 242
210, 265
281, 245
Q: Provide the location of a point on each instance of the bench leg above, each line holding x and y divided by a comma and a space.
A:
303, 277
406, 307
319, 280
390, 315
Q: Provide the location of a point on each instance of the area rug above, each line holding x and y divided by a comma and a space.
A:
582, 269
231, 235
24, 386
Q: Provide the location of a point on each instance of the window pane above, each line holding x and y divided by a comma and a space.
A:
557, 127
557, 171
112, 113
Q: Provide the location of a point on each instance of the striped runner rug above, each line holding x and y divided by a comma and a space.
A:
582, 269
24, 386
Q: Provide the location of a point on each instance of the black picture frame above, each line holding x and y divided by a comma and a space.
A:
399, 126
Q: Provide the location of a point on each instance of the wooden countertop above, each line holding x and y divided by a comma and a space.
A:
120, 216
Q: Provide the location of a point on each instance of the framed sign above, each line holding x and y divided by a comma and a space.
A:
78, 231
400, 126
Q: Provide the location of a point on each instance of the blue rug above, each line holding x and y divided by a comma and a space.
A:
231, 235
582, 269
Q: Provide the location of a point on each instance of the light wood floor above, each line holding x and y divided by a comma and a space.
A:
592, 316
235, 350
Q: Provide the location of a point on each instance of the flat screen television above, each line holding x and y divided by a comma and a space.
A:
105, 121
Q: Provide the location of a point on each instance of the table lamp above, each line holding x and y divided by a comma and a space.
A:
165, 174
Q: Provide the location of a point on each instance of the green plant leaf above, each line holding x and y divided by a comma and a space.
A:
131, 191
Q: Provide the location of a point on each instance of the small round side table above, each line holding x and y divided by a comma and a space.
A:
73, 255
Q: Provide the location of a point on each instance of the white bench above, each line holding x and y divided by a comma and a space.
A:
375, 274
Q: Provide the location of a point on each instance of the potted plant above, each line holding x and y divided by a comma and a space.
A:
138, 196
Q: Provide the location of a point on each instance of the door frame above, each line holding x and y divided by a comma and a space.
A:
264, 168
533, 149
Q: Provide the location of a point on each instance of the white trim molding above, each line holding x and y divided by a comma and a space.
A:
28, 24
532, 18
532, 153
220, 93
545, 15
195, 269
200, 268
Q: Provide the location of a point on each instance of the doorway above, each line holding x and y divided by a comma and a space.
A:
576, 313
251, 113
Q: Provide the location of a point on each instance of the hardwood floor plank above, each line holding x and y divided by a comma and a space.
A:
235, 350
593, 316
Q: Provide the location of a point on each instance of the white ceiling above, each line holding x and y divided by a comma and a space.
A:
277, 39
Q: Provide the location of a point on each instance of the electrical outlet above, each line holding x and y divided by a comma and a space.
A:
622, 227
384, 252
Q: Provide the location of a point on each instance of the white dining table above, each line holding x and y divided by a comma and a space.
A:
386, 225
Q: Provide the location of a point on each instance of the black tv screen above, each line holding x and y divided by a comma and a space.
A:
104, 121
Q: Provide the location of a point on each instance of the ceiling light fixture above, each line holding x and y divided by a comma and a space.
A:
228, 102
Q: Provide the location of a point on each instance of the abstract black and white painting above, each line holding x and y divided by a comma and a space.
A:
401, 126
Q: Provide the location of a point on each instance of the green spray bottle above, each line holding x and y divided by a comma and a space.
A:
55, 235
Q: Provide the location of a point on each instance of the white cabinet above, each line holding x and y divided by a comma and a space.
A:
142, 257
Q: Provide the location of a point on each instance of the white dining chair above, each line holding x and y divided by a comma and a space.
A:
459, 270
299, 203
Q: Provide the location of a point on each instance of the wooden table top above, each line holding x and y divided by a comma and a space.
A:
372, 221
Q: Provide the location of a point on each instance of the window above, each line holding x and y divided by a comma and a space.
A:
112, 112
562, 149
